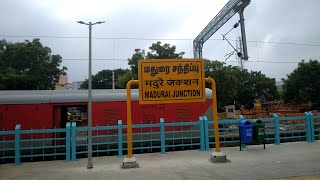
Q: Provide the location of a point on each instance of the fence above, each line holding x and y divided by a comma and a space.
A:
229, 132
316, 125
70, 143
35, 144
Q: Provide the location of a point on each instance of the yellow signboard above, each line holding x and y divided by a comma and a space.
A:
171, 81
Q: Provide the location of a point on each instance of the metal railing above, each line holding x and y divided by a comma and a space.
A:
35, 144
229, 132
70, 143
146, 137
316, 126
103, 143
8, 147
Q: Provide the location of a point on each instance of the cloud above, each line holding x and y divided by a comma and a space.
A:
272, 20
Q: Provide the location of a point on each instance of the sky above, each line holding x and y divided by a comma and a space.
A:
279, 33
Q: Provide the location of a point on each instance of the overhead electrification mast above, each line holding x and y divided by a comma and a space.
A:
229, 10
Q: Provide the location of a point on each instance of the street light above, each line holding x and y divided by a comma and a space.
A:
90, 164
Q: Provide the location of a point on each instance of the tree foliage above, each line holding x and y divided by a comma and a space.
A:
165, 51
253, 86
133, 61
241, 86
28, 65
158, 51
225, 81
303, 84
125, 78
103, 79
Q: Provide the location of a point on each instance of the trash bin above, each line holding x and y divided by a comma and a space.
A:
258, 130
245, 131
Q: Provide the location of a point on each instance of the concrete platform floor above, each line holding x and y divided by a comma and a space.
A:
299, 159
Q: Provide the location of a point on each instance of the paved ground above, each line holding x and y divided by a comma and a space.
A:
286, 160
299, 178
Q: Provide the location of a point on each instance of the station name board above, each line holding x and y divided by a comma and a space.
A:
171, 81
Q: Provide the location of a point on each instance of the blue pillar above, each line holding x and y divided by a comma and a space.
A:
163, 136
201, 127
276, 129
17, 136
243, 145
312, 126
68, 146
73, 141
307, 126
120, 138
206, 133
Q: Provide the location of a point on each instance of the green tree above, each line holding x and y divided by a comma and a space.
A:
234, 84
103, 79
133, 61
125, 78
28, 65
163, 52
303, 84
225, 81
158, 51
253, 86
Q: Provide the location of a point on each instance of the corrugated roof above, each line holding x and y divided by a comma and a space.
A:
68, 96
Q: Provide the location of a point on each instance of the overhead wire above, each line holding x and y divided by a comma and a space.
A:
276, 62
164, 39
97, 59
111, 59
150, 39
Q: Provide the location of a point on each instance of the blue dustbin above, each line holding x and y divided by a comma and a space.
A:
245, 131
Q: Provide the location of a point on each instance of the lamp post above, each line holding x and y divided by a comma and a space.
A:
90, 164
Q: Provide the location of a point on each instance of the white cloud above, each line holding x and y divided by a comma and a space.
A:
92, 10
271, 20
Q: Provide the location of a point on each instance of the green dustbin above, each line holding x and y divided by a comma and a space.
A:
258, 130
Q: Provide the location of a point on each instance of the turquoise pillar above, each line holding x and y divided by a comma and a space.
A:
120, 139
